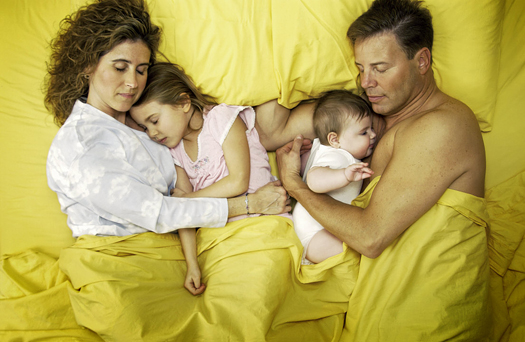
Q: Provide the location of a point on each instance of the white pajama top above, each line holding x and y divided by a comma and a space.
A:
113, 180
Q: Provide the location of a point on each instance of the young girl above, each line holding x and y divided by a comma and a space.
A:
215, 148
343, 125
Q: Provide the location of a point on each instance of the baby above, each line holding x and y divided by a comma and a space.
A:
343, 125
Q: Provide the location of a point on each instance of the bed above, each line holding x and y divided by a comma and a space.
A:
242, 52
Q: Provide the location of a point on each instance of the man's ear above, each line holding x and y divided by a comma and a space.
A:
424, 60
333, 139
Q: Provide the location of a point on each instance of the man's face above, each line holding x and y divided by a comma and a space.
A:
388, 77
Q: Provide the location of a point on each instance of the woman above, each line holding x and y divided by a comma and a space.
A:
109, 179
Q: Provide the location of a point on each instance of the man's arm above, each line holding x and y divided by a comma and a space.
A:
278, 125
429, 155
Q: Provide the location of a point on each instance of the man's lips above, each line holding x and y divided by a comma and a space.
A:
374, 98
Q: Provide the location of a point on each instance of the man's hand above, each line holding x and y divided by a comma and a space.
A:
289, 163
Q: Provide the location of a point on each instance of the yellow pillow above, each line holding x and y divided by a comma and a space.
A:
250, 52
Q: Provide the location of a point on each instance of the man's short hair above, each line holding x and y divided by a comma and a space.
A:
334, 108
408, 20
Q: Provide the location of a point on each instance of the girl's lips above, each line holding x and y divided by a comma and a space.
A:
162, 141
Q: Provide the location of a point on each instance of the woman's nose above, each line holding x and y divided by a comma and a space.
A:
131, 80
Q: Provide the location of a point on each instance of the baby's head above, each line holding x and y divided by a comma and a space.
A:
344, 120
168, 103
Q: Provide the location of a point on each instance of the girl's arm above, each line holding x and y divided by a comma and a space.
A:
193, 274
183, 182
322, 179
237, 157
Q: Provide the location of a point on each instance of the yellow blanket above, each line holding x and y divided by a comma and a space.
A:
432, 280
131, 288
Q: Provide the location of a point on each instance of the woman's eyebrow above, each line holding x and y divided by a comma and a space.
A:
129, 62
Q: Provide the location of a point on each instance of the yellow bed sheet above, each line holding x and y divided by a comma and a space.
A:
131, 288
248, 52
439, 264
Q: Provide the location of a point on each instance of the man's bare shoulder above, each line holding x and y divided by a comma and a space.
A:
448, 114
448, 134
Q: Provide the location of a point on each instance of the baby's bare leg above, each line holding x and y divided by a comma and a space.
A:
322, 246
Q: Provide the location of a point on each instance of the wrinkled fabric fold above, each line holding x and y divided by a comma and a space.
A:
131, 288
431, 283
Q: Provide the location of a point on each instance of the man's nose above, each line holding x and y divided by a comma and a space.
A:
367, 80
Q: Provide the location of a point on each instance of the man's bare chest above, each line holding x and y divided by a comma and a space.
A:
382, 153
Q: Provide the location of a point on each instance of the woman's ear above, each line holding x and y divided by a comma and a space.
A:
333, 140
86, 73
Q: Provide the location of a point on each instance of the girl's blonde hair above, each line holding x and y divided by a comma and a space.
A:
84, 37
167, 82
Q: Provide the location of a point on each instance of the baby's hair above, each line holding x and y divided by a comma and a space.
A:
333, 109
167, 82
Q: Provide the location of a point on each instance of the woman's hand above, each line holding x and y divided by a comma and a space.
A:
270, 199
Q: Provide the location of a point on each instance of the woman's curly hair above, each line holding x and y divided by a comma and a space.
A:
84, 37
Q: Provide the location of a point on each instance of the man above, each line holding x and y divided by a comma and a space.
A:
420, 225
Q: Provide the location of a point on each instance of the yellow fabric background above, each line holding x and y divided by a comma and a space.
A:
248, 52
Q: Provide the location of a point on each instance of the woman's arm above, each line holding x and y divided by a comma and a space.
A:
270, 199
237, 157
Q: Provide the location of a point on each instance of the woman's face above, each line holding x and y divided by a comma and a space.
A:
119, 78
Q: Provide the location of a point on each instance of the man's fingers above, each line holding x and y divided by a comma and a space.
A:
297, 143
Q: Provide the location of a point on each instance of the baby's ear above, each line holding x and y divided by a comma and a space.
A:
333, 139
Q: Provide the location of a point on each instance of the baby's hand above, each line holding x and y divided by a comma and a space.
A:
357, 172
193, 281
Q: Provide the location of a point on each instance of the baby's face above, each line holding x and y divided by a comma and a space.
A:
165, 124
358, 137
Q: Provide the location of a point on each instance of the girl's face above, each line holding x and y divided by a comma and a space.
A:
357, 137
119, 78
164, 123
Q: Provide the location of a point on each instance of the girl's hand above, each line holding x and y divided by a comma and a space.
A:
270, 199
193, 281
357, 172
176, 192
